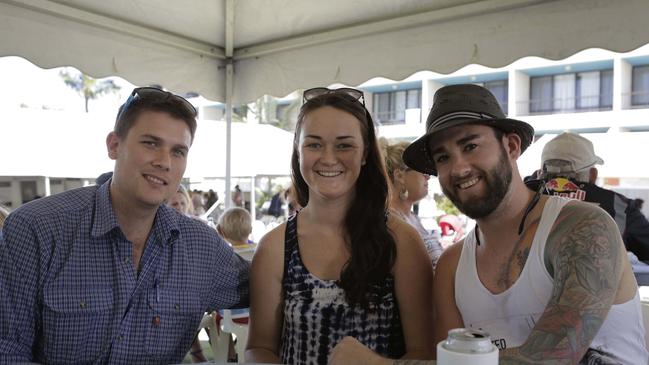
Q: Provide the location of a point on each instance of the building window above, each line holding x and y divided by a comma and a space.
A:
390, 107
572, 92
499, 89
640, 86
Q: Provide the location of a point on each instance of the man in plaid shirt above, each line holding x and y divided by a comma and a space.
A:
109, 274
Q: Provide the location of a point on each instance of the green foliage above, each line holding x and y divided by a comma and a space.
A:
89, 88
261, 197
444, 204
264, 195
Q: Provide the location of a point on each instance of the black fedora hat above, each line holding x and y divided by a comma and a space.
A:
455, 105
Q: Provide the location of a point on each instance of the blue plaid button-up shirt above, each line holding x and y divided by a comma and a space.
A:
69, 292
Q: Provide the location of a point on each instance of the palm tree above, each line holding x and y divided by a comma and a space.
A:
88, 87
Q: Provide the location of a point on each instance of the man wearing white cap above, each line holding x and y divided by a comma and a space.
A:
568, 169
576, 153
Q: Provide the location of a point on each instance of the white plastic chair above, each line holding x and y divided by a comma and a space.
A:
239, 330
219, 339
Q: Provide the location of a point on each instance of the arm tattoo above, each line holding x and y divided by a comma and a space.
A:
584, 251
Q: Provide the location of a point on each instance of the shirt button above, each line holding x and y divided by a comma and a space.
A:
83, 305
156, 321
120, 337
127, 259
177, 306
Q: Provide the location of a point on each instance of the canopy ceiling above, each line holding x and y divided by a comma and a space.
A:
278, 46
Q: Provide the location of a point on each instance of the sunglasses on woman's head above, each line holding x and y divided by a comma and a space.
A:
156, 94
318, 91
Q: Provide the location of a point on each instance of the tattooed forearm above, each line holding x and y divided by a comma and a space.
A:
584, 251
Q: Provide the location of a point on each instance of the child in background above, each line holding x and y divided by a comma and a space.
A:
235, 225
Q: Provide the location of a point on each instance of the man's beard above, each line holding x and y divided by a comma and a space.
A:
497, 180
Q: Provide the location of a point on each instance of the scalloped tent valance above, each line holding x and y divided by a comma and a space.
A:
278, 46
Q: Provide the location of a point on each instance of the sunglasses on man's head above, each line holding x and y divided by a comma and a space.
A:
318, 91
156, 94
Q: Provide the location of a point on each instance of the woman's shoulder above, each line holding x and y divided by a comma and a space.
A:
401, 230
271, 245
274, 237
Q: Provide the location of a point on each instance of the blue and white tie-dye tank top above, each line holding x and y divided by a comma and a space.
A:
317, 316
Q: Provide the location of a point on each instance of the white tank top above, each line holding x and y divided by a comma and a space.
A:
510, 316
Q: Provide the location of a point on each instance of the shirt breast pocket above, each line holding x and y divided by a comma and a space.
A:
175, 316
75, 322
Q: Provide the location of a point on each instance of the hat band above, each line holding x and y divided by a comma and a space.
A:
460, 115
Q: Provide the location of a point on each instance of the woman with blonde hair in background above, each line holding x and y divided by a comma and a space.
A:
408, 187
181, 202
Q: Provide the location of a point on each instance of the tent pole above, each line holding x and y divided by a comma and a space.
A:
253, 199
229, 75
228, 133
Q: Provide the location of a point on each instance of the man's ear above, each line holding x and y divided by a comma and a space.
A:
592, 175
513, 145
112, 142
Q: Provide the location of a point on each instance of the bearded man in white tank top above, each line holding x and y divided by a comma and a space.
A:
547, 277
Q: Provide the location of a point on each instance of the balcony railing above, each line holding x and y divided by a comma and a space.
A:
567, 105
636, 99
390, 117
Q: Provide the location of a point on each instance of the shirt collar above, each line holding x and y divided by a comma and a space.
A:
165, 225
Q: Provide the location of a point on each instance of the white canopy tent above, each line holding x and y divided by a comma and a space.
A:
237, 50
278, 46
261, 150
621, 152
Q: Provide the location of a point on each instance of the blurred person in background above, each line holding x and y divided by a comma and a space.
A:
211, 197
181, 202
407, 188
452, 228
237, 196
292, 204
568, 169
235, 226
275, 208
198, 202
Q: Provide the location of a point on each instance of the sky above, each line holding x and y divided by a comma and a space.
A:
26, 85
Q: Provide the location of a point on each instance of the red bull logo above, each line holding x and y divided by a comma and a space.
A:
565, 188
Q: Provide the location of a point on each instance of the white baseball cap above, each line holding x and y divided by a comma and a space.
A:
573, 148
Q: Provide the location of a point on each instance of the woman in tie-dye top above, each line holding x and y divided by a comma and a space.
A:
341, 266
